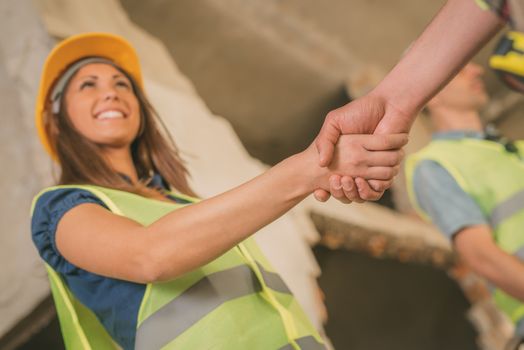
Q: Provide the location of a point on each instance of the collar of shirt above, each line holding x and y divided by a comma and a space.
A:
458, 134
155, 181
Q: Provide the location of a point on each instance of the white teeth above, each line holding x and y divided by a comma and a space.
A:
110, 115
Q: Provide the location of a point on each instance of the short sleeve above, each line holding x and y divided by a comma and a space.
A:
443, 200
500, 7
48, 211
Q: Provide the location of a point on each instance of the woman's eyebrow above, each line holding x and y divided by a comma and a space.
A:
88, 76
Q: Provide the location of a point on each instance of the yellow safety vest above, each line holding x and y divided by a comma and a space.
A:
494, 178
234, 302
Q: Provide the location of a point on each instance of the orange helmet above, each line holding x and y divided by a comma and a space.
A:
102, 45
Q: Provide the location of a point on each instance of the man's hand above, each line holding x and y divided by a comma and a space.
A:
456, 33
357, 117
366, 115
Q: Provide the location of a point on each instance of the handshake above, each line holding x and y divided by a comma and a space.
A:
360, 144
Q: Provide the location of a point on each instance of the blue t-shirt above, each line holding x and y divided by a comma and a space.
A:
440, 196
115, 302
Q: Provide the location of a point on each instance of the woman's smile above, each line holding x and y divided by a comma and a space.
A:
111, 114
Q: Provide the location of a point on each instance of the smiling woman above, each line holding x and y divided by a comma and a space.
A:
134, 258
102, 107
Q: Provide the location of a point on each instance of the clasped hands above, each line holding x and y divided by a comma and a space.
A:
361, 145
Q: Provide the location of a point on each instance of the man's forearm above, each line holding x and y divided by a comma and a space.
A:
507, 273
476, 247
455, 34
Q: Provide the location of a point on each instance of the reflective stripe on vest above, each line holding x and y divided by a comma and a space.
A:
506, 209
273, 280
200, 299
305, 343
520, 254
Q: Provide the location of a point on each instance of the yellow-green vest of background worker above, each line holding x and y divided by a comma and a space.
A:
234, 302
494, 178
471, 185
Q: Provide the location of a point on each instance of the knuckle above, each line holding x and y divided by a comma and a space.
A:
379, 186
397, 158
331, 117
375, 196
392, 172
351, 195
387, 173
337, 194
385, 142
396, 170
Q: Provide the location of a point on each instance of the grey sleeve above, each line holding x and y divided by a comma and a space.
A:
445, 202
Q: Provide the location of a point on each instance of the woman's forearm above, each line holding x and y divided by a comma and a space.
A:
196, 234
99, 241
205, 230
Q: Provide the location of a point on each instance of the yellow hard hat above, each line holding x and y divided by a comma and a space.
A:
508, 60
109, 46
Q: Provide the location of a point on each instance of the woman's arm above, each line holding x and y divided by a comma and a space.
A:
96, 240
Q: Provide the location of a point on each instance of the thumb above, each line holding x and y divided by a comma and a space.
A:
321, 195
325, 151
327, 139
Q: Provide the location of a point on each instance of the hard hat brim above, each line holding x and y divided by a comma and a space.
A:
72, 49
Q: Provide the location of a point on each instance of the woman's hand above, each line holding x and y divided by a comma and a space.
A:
363, 166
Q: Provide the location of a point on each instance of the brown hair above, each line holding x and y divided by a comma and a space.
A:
153, 151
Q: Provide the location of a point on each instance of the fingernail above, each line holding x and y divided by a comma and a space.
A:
336, 184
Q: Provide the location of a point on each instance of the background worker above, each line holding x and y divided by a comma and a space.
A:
472, 188
456, 33
134, 257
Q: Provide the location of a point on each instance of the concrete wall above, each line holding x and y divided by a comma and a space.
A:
25, 169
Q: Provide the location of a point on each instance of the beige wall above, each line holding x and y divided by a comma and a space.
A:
23, 164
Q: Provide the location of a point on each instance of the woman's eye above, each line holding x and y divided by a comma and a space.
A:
123, 83
86, 84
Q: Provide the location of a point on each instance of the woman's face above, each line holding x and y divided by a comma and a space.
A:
102, 105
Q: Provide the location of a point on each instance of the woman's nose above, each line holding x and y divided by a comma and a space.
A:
109, 94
